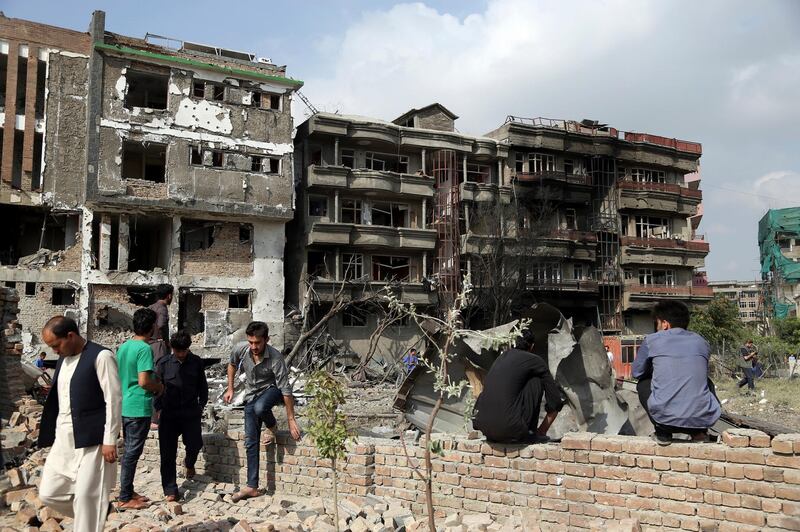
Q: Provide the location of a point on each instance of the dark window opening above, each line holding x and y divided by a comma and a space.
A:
255, 163
16, 163
390, 214
316, 156
317, 266
11, 284
146, 161
196, 235
317, 206
256, 99
628, 354
36, 173
348, 158
199, 89
569, 167
274, 102
190, 313
352, 266
245, 233
30, 289
41, 80
63, 296
150, 243
195, 155
390, 268
351, 211
219, 93
216, 159
22, 84
3, 75
274, 166
146, 90
239, 300
519, 162
354, 317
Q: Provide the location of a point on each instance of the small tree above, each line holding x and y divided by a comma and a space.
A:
327, 426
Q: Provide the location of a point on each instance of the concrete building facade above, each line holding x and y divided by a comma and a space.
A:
748, 296
133, 162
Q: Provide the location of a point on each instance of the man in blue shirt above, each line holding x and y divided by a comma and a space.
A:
672, 368
411, 360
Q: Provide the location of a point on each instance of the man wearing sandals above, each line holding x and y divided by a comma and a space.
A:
672, 368
266, 382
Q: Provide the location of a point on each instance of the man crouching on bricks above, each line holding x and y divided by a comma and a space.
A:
266, 384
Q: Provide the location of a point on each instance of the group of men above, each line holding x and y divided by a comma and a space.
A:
96, 394
673, 385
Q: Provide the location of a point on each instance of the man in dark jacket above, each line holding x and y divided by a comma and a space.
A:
181, 405
507, 410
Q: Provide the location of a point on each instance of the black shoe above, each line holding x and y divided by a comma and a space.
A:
662, 439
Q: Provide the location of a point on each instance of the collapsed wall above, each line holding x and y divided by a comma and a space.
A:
747, 483
11, 385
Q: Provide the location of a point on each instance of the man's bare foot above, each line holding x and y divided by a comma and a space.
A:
269, 436
133, 504
172, 498
246, 493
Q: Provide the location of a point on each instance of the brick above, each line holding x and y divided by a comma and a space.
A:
733, 438
640, 445
777, 460
783, 521
579, 470
785, 443
745, 456
791, 493
790, 476
577, 440
677, 507
748, 517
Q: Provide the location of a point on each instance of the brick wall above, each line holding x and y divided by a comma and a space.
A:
11, 386
747, 483
227, 256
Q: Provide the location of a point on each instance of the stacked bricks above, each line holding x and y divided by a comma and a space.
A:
12, 388
746, 483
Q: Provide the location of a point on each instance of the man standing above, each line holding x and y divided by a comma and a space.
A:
672, 368
266, 385
185, 396
747, 353
507, 410
411, 360
161, 308
792, 360
81, 420
135, 360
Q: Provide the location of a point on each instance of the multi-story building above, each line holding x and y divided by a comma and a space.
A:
598, 222
779, 246
132, 162
746, 295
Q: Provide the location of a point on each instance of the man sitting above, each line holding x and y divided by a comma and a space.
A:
672, 368
507, 410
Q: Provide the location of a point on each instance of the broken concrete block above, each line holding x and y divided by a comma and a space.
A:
16, 477
46, 513
242, 526
51, 525
27, 516
452, 520
359, 524
175, 508
475, 520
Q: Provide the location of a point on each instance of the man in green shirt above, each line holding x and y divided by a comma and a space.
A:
135, 361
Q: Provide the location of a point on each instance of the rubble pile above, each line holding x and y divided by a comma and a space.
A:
18, 440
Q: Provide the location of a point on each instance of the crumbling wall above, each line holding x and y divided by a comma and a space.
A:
64, 171
11, 385
110, 315
35, 310
228, 255
433, 118
394, 343
748, 483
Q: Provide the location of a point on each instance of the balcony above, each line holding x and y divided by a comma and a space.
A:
409, 292
552, 176
668, 188
563, 285
664, 243
577, 245
483, 192
664, 251
641, 296
363, 180
676, 144
340, 234
666, 197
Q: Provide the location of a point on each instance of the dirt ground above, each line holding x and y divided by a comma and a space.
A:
775, 400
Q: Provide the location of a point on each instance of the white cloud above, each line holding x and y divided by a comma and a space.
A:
767, 91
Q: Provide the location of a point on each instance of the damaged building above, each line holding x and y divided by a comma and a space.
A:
597, 222
131, 162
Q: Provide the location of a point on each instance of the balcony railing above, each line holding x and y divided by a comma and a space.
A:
553, 175
680, 145
572, 234
670, 188
562, 285
664, 243
669, 290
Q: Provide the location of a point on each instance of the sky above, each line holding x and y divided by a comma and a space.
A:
725, 73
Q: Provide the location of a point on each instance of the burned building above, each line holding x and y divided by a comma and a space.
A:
598, 222
131, 162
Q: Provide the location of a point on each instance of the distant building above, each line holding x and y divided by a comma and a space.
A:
747, 295
779, 246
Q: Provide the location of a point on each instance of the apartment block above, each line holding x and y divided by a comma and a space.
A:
598, 222
779, 251
131, 162
748, 296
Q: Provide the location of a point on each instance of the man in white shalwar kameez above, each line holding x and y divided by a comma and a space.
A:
81, 420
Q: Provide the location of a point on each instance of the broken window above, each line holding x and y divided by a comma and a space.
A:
11, 284
629, 351
195, 155
652, 227
387, 162
255, 99
272, 165
348, 158
22, 84
644, 175
351, 211
150, 243
245, 233
353, 316
218, 93
30, 289
146, 89
316, 156
217, 158
390, 268
275, 102
255, 163
317, 206
63, 296
317, 265
578, 272
374, 162
196, 235
390, 214
570, 219
352, 266
541, 162
544, 272
144, 160
624, 221
41, 80
650, 276
519, 162
239, 300
569, 167
478, 173
199, 89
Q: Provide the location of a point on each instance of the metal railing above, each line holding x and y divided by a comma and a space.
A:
669, 290
552, 175
671, 188
664, 243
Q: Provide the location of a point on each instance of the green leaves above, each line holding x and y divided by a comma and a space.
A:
326, 423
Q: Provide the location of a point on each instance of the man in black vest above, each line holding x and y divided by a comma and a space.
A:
181, 405
81, 420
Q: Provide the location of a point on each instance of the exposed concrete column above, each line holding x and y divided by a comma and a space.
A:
336, 151
86, 267
338, 268
105, 243
175, 255
336, 206
424, 264
30, 117
124, 242
469, 267
464, 168
424, 214
7, 162
424, 152
306, 156
175, 271
466, 217
500, 166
